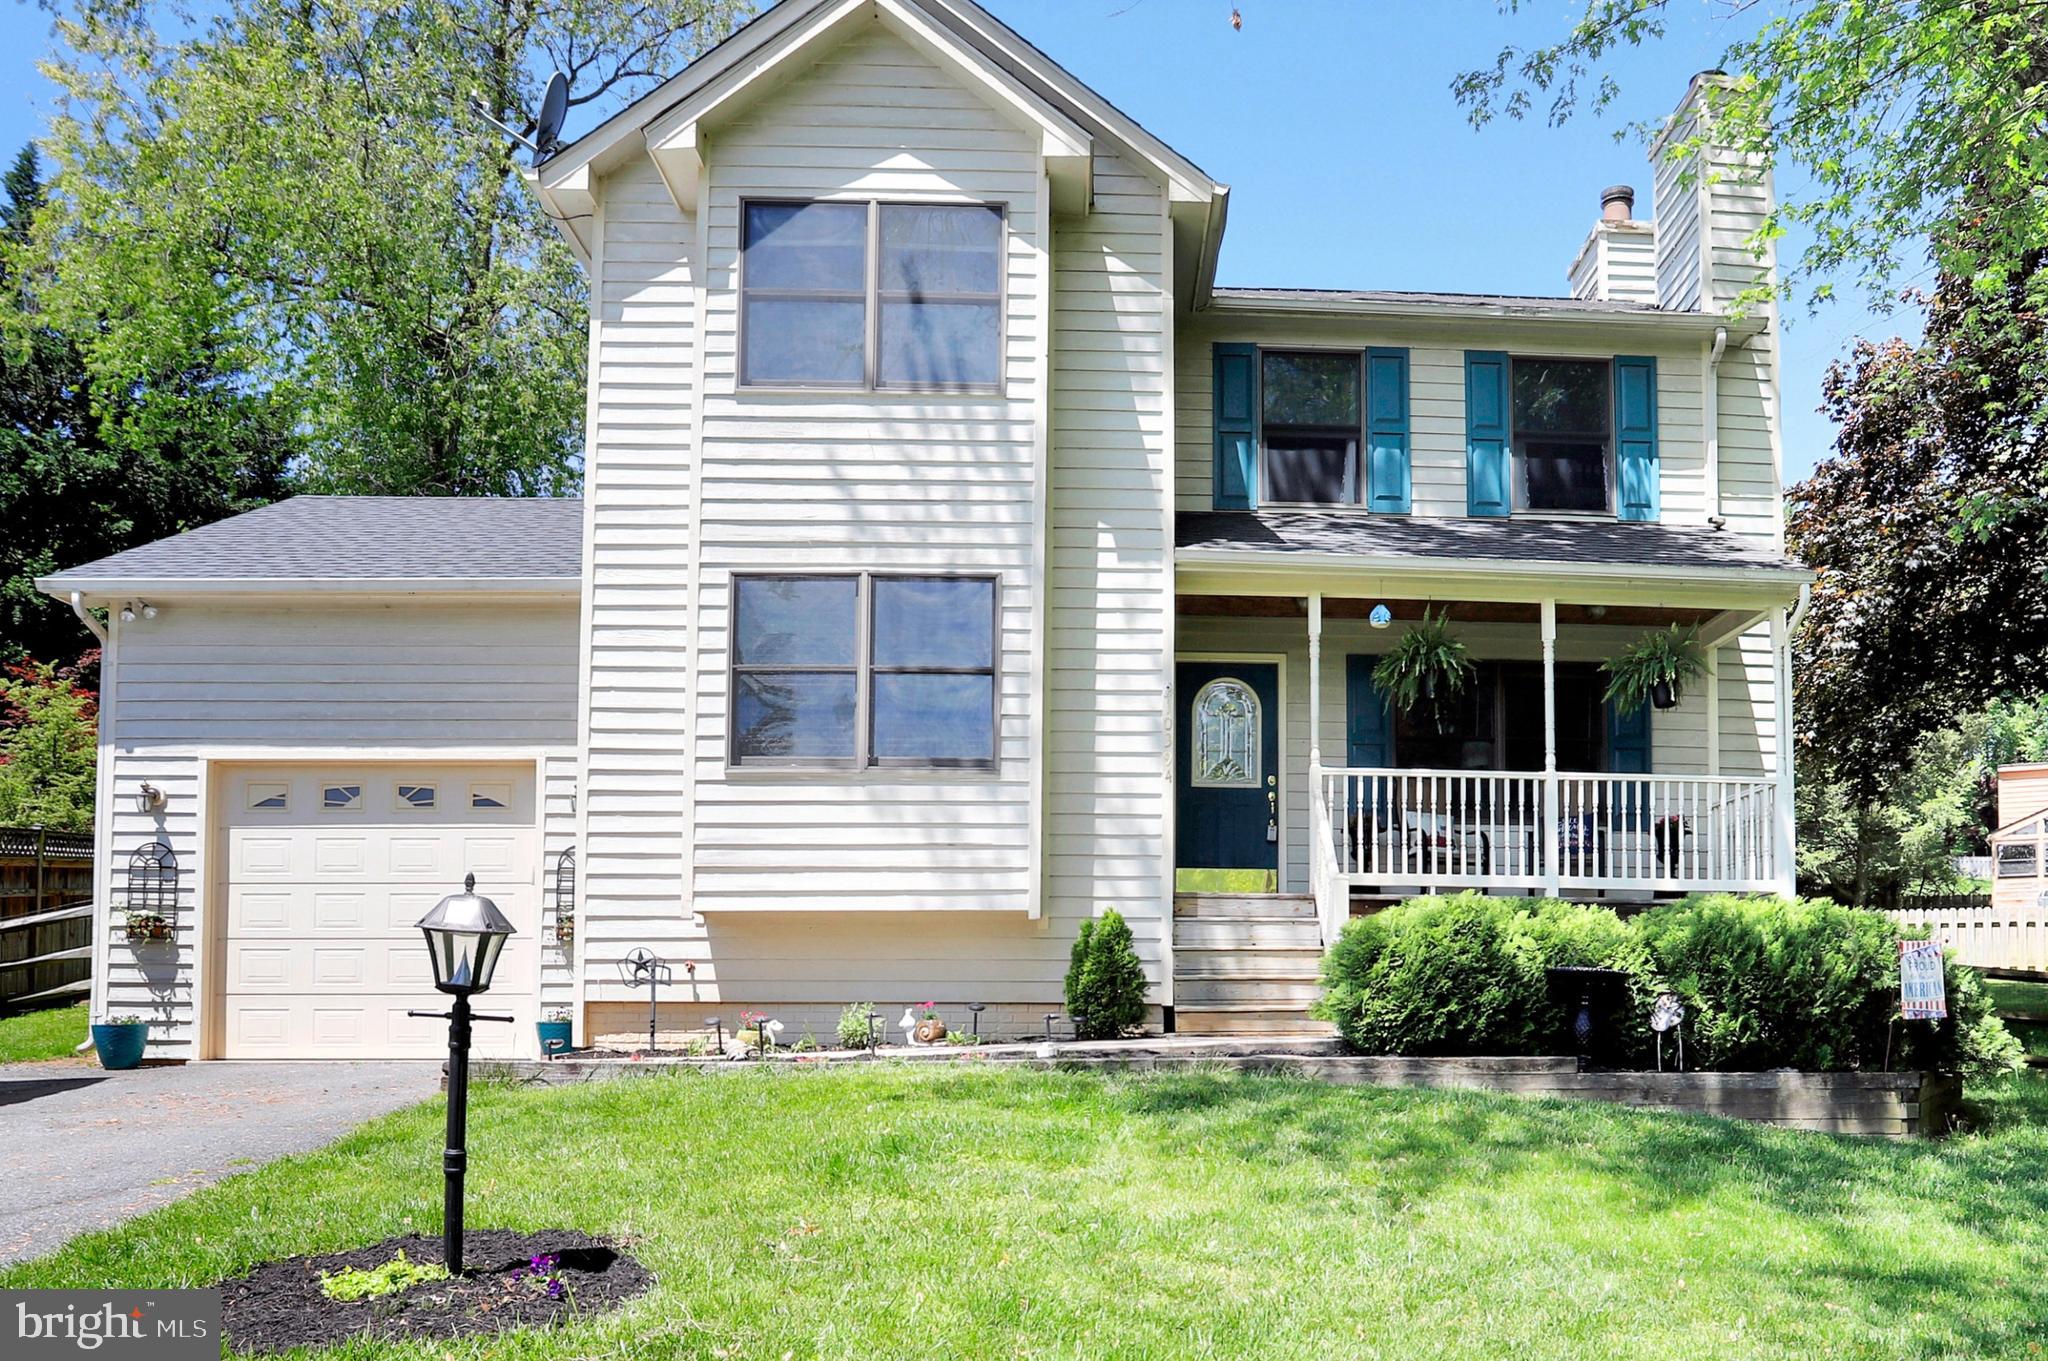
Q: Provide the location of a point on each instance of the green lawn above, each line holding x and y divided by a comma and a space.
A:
49, 1034
979, 1214
2012, 997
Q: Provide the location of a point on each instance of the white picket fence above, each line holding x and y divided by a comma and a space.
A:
1982, 935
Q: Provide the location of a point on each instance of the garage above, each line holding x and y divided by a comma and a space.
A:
324, 871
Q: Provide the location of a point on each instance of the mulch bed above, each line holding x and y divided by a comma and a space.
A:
280, 1305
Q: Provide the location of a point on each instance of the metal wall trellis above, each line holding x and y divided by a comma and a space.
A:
152, 878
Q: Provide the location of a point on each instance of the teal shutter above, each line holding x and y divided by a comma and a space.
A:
1628, 753
1236, 485
1386, 429
1635, 437
1487, 482
1367, 728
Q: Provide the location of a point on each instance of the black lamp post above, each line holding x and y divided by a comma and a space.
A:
465, 935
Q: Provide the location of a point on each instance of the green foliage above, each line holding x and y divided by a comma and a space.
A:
300, 194
1928, 529
48, 748
1426, 664
1766, 983
1462, 974
853, 1025
1904, 838
1907, 122
1671, 656
1105, 980
356, 1283
80, 476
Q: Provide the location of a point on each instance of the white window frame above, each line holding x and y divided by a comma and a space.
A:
256, 796
872, 294
405, 805
863, 669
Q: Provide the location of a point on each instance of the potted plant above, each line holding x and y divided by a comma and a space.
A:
565, 929
930, 1029
557, 1033
119, 1041
148, 926
1427, 666
1653, 668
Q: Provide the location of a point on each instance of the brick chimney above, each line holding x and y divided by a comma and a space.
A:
1618, 262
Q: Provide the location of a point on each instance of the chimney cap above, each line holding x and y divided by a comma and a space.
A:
1617, 202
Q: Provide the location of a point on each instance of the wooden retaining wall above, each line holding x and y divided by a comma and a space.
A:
1886, 1105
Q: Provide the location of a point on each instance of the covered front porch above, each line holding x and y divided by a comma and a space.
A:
1529, 783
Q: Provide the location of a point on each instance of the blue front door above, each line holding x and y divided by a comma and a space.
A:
1227, 752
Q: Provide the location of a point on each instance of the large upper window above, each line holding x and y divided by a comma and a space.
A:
864, 670
1309, 424
1563, 433
926, 316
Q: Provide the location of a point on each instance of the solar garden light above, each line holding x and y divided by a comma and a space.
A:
977, 1008
466, 933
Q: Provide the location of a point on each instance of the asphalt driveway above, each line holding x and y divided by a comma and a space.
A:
81, 1148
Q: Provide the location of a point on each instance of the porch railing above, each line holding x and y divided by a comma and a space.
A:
1528, 831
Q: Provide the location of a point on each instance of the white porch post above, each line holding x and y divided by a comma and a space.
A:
1787, 828
1550, 836
1315, 687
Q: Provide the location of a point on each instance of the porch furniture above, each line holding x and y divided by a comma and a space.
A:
1440, 841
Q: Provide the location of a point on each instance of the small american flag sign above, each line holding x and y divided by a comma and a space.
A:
1921, 994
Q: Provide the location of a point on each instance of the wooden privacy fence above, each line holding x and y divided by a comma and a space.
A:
1982, 935
45, 914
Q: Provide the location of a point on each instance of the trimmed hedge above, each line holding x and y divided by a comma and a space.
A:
1766, 982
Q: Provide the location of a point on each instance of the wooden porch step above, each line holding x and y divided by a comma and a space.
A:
1284, 964
1233, 933
1245, 1018
1281, 994
1243, 905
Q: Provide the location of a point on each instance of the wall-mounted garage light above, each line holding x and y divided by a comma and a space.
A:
135, 607
150, 799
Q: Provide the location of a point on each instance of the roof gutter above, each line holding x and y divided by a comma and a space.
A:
80, 589
1212, 247
1687, 323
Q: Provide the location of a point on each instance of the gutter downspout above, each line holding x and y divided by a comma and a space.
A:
1710, 419
78, 608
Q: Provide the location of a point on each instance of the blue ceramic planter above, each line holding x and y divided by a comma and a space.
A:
120, 1046
554, 1037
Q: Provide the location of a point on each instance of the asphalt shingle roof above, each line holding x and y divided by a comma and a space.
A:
365, 538
1532, 541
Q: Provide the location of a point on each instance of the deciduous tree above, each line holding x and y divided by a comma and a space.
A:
299, 191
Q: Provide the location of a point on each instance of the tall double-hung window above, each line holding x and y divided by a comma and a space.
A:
1310, 422
898, 296
864, 669
1564, 433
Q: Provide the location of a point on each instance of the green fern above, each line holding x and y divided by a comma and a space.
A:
1668, 655
1427, 664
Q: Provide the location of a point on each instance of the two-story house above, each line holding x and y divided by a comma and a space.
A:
957, 561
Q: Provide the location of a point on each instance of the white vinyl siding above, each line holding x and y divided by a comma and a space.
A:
202, 679
859, 481
1436, 389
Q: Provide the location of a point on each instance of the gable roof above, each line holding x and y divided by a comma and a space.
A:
401, 543
987, 53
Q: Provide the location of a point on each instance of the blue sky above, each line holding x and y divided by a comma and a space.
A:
1349, 163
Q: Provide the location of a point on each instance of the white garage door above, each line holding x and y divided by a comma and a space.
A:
326, 871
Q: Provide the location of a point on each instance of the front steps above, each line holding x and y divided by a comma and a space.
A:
1246, 964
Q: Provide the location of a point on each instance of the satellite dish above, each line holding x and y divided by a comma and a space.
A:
554, 107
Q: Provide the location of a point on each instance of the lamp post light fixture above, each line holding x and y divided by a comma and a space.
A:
466, 933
